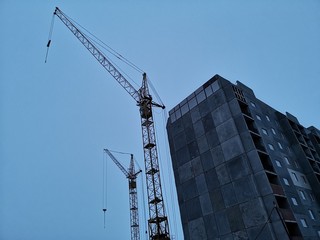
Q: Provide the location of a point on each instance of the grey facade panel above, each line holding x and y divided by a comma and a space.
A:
193, 208
208, 123
229, 195
240, 235
211, 226
196, 166
223, 174
202, 144
247, 142
189, 189
185, 172
217, 155
245, 189
254, 161
221, 114
235, 218
201, 184
198, 128
182, 155
216, 100
223, 222
226, 130
232, 148
206, 205
207, 160
236, 164
197, 230
211, 179
212, 138
195, 114
204, 108
216, 200
263, 232
262, 184
253, 213
193, 149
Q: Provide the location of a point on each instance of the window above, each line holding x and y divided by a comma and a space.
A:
303, 196
201, 96
208, 90
273, 131
303, 222
173, 117
287, 160
271, 146
294, 201
184, 109
278, 163
267, 117
286, 182
295, 176
215, 86
178, 113
311, 214
304, 179
253, 104
280, 146
319, 233
258, 117
192, 102
264, 131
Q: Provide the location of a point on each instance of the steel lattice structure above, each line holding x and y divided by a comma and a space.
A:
131, 174
158, 225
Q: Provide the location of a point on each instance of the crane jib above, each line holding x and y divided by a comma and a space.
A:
99, 56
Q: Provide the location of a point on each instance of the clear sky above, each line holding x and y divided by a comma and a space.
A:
56, 118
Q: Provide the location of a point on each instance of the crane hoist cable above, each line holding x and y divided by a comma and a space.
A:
49, 38
104, 189
155, 92
105, 46
173, 196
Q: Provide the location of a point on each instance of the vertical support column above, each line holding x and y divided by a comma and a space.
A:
158, 222
133, 198
134, 215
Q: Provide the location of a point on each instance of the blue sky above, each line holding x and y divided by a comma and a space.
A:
57, 117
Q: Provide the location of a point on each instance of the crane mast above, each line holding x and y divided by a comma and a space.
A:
158, 225
131, 174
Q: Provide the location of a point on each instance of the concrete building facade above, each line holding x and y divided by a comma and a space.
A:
242, 169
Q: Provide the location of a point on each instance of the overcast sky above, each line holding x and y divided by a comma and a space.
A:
57, 117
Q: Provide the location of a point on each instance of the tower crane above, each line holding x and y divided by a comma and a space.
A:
131, 174
158, 224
